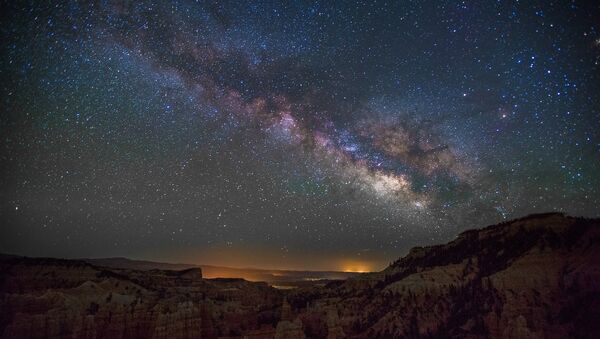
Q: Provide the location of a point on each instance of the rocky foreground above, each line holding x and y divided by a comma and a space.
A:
536, 277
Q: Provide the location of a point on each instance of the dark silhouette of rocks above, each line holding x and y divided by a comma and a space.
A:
535, 277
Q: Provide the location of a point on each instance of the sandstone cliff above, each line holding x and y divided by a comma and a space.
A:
536, 277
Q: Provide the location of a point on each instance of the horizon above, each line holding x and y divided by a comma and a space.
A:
548, 260
300, 136
349, 267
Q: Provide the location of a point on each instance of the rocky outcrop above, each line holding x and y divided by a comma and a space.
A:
536, 277
286, 327
50, 298
191, 273
334, 327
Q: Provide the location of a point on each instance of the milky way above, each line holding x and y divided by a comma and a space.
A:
264, 134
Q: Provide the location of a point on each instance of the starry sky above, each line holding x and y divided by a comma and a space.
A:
302, 135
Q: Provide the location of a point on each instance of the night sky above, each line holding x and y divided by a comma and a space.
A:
310, 135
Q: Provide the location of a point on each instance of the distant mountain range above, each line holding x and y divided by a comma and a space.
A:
535, 277
210, 271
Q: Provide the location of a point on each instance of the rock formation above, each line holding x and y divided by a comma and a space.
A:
51, 298
536, 277
334, 328
286, 328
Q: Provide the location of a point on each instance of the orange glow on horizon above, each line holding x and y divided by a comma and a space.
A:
229, 261
356, 267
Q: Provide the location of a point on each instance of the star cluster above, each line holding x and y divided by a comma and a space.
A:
209, 132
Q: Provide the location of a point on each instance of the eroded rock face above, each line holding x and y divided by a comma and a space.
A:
50, 298
537, 277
